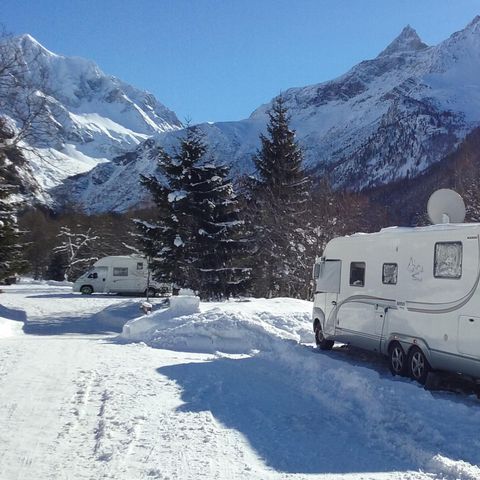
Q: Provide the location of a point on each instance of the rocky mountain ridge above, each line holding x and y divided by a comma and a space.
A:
386, 119
90, 117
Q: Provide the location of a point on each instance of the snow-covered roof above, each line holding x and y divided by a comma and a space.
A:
394, 231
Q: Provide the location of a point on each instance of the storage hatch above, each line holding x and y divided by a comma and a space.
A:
468, 341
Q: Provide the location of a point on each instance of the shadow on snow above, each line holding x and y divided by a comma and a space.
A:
110, 319
13, 314
287, 428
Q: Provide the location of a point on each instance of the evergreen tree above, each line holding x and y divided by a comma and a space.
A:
11, 261
193, 243
219, 240
279, 196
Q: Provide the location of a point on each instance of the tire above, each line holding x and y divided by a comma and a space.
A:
320, 340
418, 366
86, 290
150, 292
397, 359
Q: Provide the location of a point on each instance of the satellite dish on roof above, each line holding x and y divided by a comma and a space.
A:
446, 206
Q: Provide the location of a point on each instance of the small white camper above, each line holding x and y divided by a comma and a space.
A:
412, 294
119, 274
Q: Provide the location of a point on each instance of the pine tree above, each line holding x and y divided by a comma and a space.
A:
11, 260
279, 196
219, 240
10, 246
193, 242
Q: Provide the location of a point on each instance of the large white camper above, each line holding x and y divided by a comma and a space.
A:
411, 294
119, 274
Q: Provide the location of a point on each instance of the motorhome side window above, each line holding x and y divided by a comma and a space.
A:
357, 274
448, 260
140, 266
389, 273
120, 271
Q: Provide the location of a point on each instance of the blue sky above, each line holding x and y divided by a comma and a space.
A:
211, 60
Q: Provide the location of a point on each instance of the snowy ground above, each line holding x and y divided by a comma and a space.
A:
77, 402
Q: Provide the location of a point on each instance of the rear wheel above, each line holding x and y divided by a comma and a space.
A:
320, 340
418, 366
150, 292
86, 289
397, 359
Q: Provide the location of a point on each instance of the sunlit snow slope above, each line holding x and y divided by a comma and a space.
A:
92, 117
387, 118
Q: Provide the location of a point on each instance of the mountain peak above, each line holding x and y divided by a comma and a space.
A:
29, 43
407, 41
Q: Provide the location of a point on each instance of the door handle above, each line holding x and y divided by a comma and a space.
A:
334, 303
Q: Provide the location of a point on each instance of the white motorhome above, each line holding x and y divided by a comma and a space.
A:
411, 294
119, 274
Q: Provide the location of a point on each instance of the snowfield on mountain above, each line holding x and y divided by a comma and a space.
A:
386, 119
232, 390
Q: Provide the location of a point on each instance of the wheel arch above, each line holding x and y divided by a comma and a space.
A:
407, 343
318, 318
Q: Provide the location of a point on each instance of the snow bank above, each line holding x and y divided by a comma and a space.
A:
51, 283
143, 328
230, 327
9, 328
398, 415
426, 431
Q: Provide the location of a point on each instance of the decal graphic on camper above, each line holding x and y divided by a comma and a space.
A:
415, 270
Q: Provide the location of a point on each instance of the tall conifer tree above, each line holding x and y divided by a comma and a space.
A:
11, 260
279, 198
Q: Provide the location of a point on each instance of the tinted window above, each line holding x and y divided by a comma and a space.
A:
120, 272
389, 273
357, 274
448, 260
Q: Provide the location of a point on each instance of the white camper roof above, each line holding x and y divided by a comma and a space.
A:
113, 258
396, 231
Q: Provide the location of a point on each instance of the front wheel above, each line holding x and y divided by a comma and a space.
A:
320, 340
86, 290
418, 366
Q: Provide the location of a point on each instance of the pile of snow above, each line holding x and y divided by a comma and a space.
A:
393, 415
410, 423
230, 327
9, 328
51, 283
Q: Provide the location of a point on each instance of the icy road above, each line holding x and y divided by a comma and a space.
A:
75, 403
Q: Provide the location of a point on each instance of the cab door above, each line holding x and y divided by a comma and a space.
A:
96, 278
328, 285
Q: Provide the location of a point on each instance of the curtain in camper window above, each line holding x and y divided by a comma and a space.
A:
389, 273
448, 260
120, 271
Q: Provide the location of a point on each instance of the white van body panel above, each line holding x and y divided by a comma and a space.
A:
434, 303
118, 274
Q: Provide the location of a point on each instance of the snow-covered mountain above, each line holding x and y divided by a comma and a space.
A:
387, 118
92, 117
